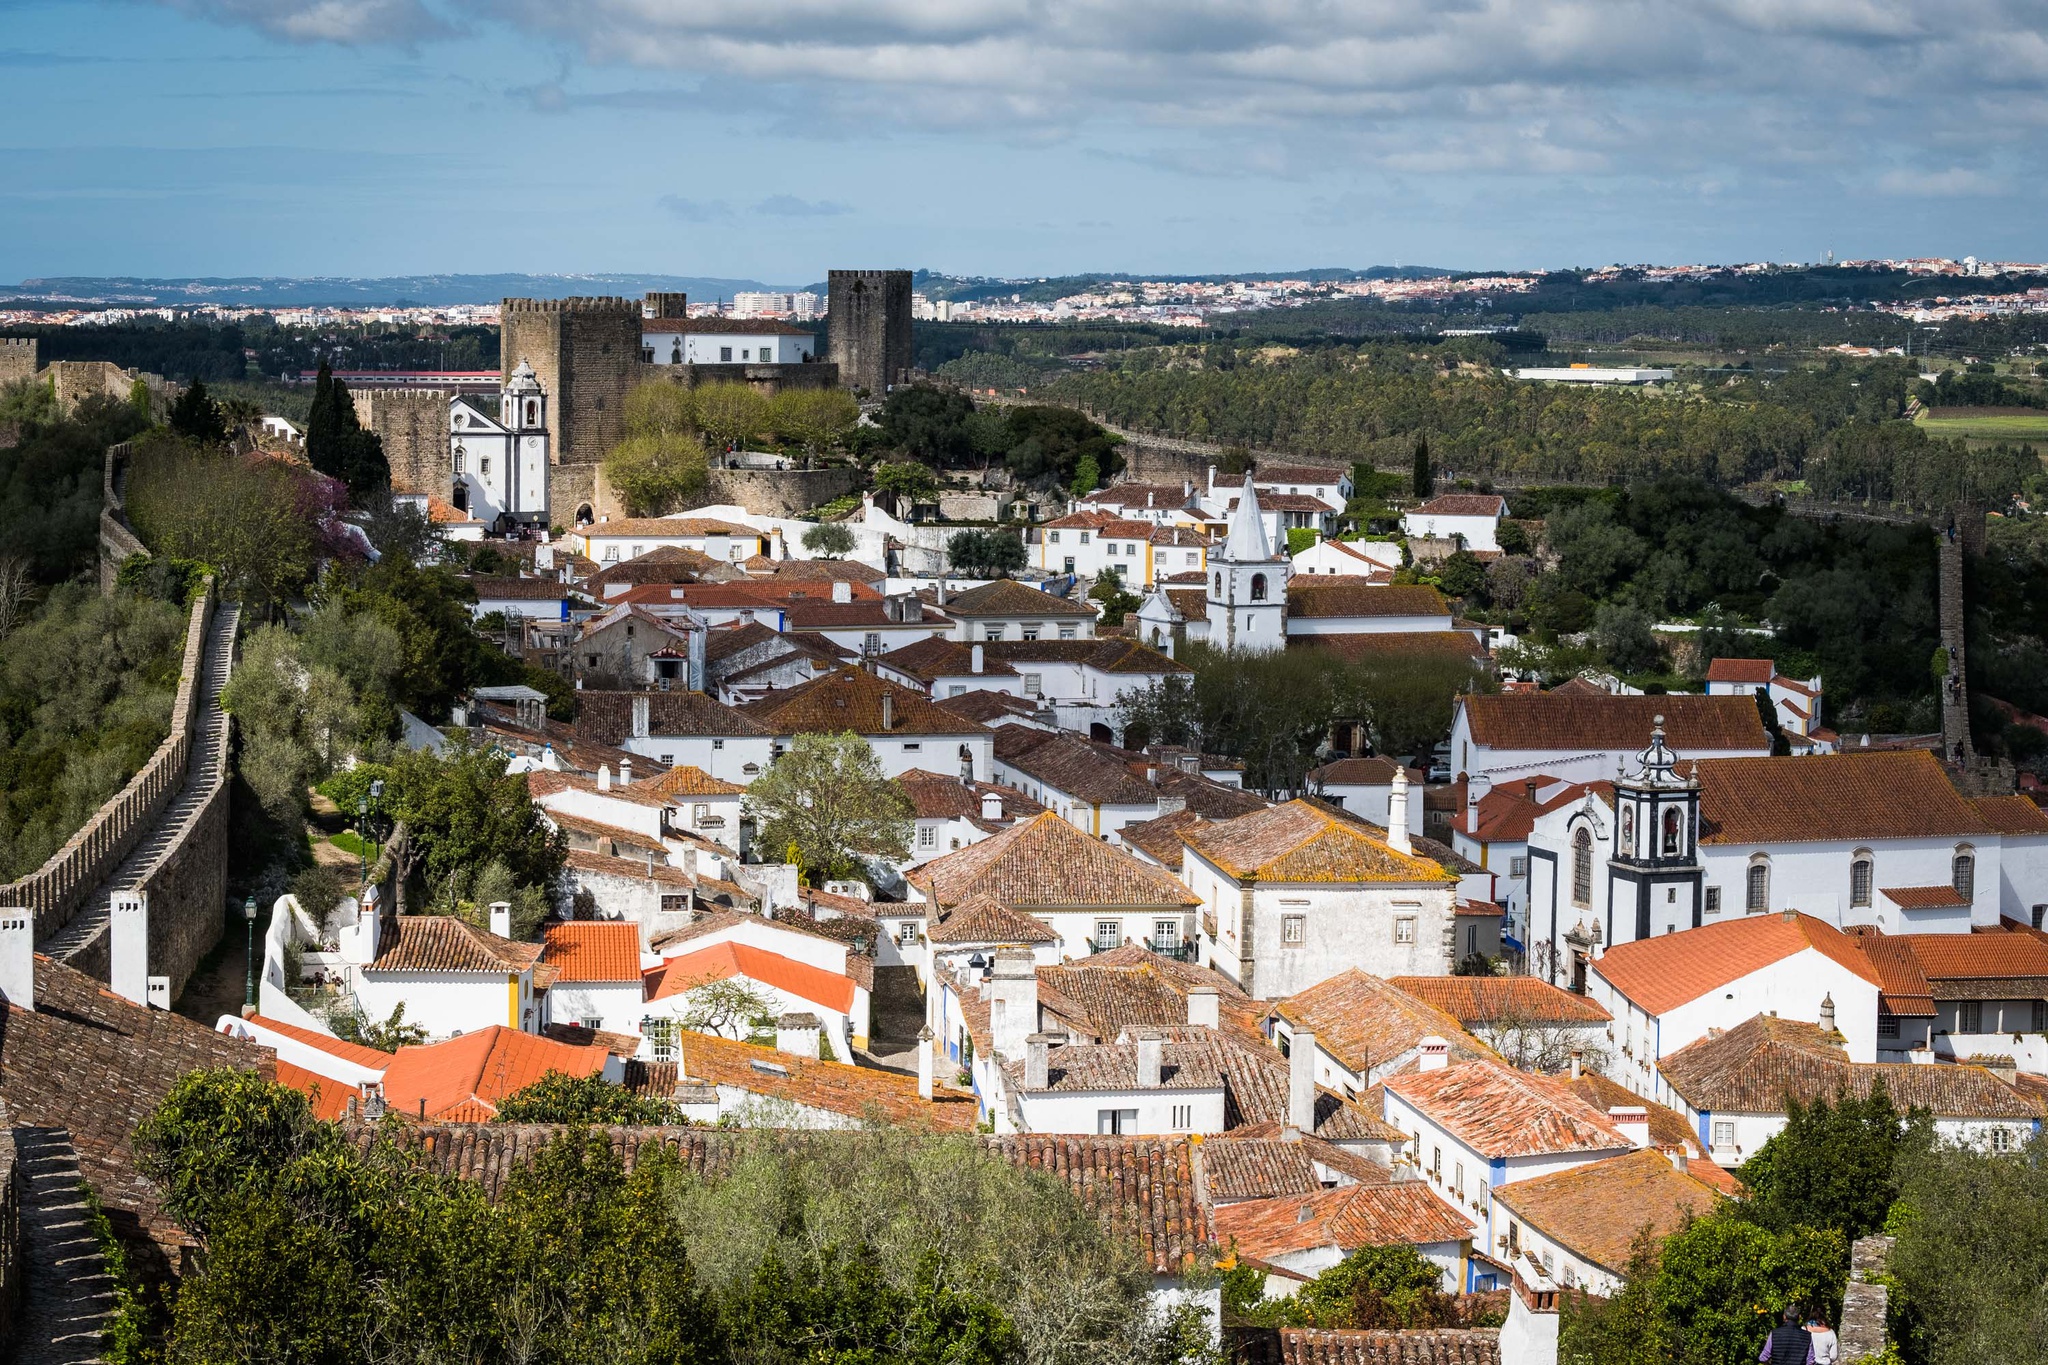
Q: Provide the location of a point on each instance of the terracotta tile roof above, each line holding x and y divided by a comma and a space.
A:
1137, 494
509, 589
1924, 897
1591, 719
1073, 765
816, 570
607, 717
665, 526
1296, 473
987, 708
688, 781
1316, 597
1462, 645
330, 1097
937, 797
1993, 965
2012, 814
1045, 863
1191, 603
979, 919
1359, 772
443, 943
1287, 502
1426, 848
1432, 1346
545, 782
325, 1042
1474, 1000
1237, 1167
1464, 505
851, 699
620, 1045
1668, 1127
618, 836
1160, 839
1298, 843
1114, 1066
686, 971
1256, 1100
478, 1069
628, 867
937, 657
1660, 974
1596, 1210
663, 564
1007, 597
1365, 1022
1741, 670
1141, 1188
1206, 797
862, 1093
1106, 654
1348, 1217
1500, 1112
1902, 986
89, 1061
712, 921
1099, 996
1752, 1067
594, 950
1887, 794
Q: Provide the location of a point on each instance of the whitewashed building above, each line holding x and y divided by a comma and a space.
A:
726, 341
1473, 519
1580, 734
500, 463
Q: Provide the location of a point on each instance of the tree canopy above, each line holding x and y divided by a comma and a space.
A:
827, 800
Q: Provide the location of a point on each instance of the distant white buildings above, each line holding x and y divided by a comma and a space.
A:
1592, 374
1471, 519
726, 341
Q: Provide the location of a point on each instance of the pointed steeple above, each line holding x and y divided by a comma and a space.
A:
1247, 543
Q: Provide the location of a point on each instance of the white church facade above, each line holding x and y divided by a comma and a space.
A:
499, 464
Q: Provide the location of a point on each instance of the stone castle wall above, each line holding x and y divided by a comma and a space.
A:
779, 492
187, 901
413, 424
586, 354
869, 328
17, 359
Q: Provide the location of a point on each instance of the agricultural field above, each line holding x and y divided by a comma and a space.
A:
1985, 424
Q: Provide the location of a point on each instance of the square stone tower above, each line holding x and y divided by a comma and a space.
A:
869, 328
585, 352
17, 359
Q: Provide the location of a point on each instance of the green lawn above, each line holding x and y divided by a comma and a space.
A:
1999, 428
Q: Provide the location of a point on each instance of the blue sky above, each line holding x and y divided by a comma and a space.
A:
775, 138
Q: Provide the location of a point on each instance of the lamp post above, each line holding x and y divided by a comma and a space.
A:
377, 799
362, 847
249, 986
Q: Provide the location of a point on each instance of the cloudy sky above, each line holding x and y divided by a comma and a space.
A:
774, 138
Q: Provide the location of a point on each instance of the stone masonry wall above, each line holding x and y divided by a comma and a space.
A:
869, 328
779, 492
17, 359
413, 425
586, 354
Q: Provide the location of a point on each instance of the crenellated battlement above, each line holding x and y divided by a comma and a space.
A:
575, 304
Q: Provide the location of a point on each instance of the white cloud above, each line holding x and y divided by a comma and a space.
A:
326, 21
1939, 184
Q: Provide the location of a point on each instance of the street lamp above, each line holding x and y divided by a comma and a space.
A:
362, 848
377, 799
249, 987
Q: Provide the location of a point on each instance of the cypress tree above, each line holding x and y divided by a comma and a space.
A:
321, 425
197, 417
1425, 480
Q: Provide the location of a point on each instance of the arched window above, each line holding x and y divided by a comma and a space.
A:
1674, 832
1964, 873
1582, 867
1859, 877
1258, 587
1219, 585
1757, 897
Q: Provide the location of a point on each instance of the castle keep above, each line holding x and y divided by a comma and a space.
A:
585, 354
870, 328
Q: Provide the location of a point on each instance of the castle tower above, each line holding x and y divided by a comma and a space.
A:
585, 356
869, 328
523, 408
1653, 868
1248, 584
17, 359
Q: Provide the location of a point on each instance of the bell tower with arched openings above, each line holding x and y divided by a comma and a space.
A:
1654, 876
1248, 584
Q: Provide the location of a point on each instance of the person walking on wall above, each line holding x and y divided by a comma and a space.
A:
1788, 1344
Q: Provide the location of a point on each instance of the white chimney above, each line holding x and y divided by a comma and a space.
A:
1397, 814
1432, 1053
1634, 1122
625, 772
1013, 1001
1038, 1061
796, 1035
128, 946
1475, 787
604, 777
888, 710
1149, 1051
501, 918
1301, 1082
18, 956
1827, 1013
1679, 1161
1578, 1060
1529, 1336
991, 806
1204, 1007
640, 705
842, 591
979, 662
925, 1039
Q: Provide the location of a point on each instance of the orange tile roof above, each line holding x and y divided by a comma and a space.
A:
1580, 720
1348, 1217
1741, 670
1884, 794
325, 1042
1596, 1210
856, 1092
689, 781
2012, 814
1345, 595
1424, 1346
1238, 1167
330, 1097
1668, 1127
679, 974
1500, 1112
1902, 988
443, 943
980, 919
468, 1075
1989, 956
1299, 843
1924, 897
1045, 863
1007, 597
1464, 505
594, 950
851, 699
1484, 999
1660, 974
1365, 1022
665, 526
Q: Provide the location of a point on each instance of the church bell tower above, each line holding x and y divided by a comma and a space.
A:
1248, 584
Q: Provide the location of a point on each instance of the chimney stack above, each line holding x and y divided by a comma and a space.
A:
842, 591
1204, 1007
1148, 1059
888, 710
1432, 1053
18, 956
796, 1035
625, 772
604, 777
925, 1063
1634, 1122
1679, 1161
128, 946
1397, 814
980, 662
640, 722
1038, 1061
1301, 1082
1827, 1013
501, 918
991, 806
1013, 1001
1578, 1060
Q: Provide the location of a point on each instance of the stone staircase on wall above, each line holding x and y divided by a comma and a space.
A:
67, 1295
82, 942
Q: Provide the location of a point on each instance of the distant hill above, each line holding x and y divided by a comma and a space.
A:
428, 290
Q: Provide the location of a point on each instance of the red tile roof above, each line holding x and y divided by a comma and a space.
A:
1299, 843
1348, 1217
1344, 595
1500, 1112
1884, 794
325, 1042
1474, 1000
330, 1097
1741, 671
2012, 814
594, 951
1902, 988
689, 781
857, 1092
979, 919
1365, 1022
1995, 956
665, 526
606, 717
1597, 1210
443, 943
1238, 1167
679, 974
1660, 974
1426, 1346
1464, 505
468, 1075
851, 699
1045, 863
936, 657
1007, 597
1924, 897
1595, 720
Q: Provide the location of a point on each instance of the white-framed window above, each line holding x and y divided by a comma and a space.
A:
1109, 547
1404, 929
927, 837
461, 459
1066, 632
1436, 1164
992, 633
1713, 906
956, 689
1034, 684
700, 814
1969, 1016
1963, 873
1582, 867
1109, 933
1031, 632
872, 642
1724, 1132
1116, 1122
1166, 934
1757, 886
1293, 930
2001, 1139
661, 1038
1053, 536
1084, 537
674, 903
1518, 867
907, 934
1458, 1179
1859, 879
